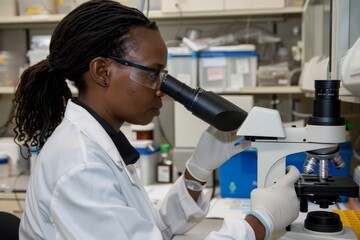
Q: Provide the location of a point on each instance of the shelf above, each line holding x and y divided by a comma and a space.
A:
7, 90
11, 90
350, 99
244, 90
159, 15
271, 90
156, 15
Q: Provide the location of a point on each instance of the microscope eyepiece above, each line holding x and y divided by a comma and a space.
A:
326, 104
207, 106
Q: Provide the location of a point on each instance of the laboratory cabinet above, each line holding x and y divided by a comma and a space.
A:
12, 202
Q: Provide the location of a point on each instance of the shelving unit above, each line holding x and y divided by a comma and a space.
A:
7, 90
49, 21
38, 20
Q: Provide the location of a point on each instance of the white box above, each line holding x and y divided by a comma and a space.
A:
10, 63
179, 6
37, 7
228, 68
36, 55
8, 8
253, 4
183, 65
188, 128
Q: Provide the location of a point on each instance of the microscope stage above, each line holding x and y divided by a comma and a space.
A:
309, 185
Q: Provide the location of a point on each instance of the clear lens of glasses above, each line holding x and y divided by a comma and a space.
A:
146, 78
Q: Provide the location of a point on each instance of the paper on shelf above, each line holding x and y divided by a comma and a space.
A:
228, 207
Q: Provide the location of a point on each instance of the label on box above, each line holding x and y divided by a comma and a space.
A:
236, 81
242, 65
215, 73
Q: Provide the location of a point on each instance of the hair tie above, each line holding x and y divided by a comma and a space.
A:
48, 63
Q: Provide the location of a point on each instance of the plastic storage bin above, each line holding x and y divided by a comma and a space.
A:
10, 63
183, 65
274, 75
149, 157
238, 176
228, 68
36, 7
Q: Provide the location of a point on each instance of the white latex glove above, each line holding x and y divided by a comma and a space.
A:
212, 150
276, 206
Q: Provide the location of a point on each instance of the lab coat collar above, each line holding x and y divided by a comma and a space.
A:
126, 150
84, 121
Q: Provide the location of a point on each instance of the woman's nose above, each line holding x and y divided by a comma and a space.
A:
159, 93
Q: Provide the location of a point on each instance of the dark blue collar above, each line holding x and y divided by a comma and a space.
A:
126, 150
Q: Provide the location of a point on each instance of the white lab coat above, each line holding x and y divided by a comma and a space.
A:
81, 188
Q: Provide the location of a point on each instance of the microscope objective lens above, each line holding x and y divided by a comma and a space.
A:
323, 170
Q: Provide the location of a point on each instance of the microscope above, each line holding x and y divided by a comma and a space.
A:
320, 139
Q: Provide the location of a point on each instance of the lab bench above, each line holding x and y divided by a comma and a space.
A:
208, 225
12, 194
12, 200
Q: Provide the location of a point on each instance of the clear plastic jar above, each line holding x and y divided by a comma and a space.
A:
4, 166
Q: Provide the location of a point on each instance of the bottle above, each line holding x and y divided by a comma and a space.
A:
33, 157
164, 169
142, 132
4, 167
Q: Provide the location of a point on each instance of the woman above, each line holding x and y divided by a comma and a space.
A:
84, 184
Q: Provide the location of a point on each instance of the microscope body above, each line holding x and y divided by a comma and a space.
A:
320, 139
274, 142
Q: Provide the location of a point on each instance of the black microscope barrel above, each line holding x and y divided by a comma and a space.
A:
208, 106
326, 104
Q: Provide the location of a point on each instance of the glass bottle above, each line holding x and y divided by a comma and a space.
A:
164, 169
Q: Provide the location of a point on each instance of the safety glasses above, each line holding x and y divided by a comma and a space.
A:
143, 75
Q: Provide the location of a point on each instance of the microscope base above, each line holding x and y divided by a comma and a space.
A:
298, 232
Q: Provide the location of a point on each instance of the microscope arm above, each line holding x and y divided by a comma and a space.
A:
271, 159
274, 142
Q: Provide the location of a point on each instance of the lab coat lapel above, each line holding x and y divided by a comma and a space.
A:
84, 121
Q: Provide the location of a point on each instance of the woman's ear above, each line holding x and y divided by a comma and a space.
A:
98, 69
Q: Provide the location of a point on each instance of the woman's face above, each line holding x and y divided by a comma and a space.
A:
127, 99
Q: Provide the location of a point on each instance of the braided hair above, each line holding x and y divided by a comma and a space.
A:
95, 28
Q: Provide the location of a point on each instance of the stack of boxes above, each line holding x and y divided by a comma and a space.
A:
218, 69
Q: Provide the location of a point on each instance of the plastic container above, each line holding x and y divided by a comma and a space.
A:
273, 75
33, 157
8, 8
10, 63
65, 6
37, 7
142, 132
37, 55
183, 65
4, 166
40, 42
146, 165
228, 68
17, 164
238, 176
